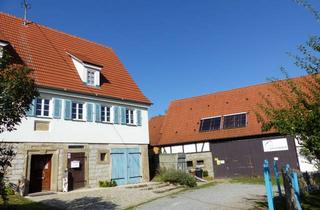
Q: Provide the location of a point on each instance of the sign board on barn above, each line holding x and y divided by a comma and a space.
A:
273, 145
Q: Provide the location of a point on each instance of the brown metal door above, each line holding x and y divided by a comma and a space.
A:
76, 168
40, 174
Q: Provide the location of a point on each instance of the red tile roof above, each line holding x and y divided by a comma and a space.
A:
45, 50
85, 59
182, 121
155, 125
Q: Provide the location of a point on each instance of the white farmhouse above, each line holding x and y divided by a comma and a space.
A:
90, 119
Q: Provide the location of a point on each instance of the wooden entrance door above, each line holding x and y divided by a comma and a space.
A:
76, 169
40, 174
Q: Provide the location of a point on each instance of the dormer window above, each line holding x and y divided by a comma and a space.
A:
91, 77
2, 45
88, 70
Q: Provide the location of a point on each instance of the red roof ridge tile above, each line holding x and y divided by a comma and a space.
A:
234, 89
55, 30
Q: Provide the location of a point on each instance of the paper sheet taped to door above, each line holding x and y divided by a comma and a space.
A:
75, 164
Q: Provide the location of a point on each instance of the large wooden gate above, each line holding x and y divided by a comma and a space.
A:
126, 165
245, 157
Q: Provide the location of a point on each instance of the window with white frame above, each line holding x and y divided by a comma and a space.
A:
42, 107
105, 113
90, 77
235, 121
77, 111
129, 116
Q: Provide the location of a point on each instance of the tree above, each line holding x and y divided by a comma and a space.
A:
17, 92
7, 154
296, 111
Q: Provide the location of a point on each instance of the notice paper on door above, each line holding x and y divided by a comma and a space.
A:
75, 164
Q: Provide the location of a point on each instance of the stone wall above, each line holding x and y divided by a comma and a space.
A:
99, 170
168, 161
206, 157
95, 170
171, 161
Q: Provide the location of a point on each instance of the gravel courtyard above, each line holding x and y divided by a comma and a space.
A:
221, 196
120, 197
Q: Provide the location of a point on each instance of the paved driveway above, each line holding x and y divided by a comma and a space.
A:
224, 196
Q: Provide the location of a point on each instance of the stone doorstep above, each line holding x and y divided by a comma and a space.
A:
167, 189
156, 186
140, 185
41, 194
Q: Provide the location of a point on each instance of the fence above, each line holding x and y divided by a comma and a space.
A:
291, 185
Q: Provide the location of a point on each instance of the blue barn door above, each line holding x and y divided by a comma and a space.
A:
134, 175
119, 166
125, 165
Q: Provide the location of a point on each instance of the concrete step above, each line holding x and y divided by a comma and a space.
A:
155, 186
167, 188
141, 185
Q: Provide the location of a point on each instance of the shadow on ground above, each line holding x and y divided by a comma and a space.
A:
83, 203
261, 203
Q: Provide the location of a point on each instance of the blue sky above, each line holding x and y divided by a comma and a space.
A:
181, 48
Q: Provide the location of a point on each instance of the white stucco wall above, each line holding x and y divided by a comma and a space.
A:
304, 164
186, 148
69, 131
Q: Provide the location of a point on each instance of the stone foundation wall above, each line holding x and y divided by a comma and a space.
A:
99, 170
171, 161
95, 170
207, 159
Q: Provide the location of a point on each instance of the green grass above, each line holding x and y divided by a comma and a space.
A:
253, 180
309, 202
17, 202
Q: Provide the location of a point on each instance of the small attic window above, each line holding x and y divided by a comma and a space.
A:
2, 45
91, 77
88, 70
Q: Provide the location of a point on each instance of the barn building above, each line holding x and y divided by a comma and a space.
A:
219, 133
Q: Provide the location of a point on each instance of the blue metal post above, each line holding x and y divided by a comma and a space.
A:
276, 174
268, 184
295, 185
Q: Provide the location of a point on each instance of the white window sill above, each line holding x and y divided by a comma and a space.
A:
131, 124
43, 117
78, 120
106, 122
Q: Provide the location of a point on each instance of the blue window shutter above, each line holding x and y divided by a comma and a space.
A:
89, 112
123, 115
67, 109
139, 119
57, 108
32, 109
116, 114
98, 113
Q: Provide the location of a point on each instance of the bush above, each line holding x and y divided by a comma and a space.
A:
107, 183
177, 177
9, 191
205, 173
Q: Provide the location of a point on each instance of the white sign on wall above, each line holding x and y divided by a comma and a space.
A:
273, 145
75, 164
